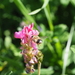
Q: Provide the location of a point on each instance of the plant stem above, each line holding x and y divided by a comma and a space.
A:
48, 15
24, 11
39, 67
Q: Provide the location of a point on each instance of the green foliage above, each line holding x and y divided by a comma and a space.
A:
73, 2
43, 6
67, 52
65, 2
48, 71
73, 48
54, 20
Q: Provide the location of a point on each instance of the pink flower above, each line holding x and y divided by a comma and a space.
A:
18, 34
26, 34
23, 32
30, 51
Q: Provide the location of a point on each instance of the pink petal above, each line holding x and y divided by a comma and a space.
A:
35, 60
18, 34
31, 26
24, 39
31, 61
35, 32
35, 52
34, 45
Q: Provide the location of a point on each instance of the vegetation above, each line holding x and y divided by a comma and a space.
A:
54, 19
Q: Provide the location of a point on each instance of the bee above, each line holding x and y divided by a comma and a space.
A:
37, 39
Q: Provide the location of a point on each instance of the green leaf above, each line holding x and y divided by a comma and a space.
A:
73, 71
67, 50
60, 28
65, 2
7, 41
73, 2
24, 11
15, 50
61, 32
73, 48
43, 29
48, 16
9, 73
49, 34
58, 46
12, 63
38, 10
45, 3
62, 37
35, 11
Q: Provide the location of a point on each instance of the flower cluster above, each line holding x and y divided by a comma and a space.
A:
29, 41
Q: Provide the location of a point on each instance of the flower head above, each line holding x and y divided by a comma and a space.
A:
26, 35
29, 46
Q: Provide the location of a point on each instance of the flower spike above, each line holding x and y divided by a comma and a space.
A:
29, 41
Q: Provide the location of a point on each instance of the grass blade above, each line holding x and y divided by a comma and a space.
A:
35, 11
67, 49
47, 13
38, 10
24, 11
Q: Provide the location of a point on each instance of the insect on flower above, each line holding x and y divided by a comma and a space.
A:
37, 39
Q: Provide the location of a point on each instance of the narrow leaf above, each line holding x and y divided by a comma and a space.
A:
45, 3
47, 13
24, 11
34, 12
67, 50
38, 10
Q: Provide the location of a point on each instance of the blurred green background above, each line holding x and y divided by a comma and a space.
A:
55, 20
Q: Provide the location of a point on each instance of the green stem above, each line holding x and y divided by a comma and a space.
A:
47, 13
39, 67
24, 11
